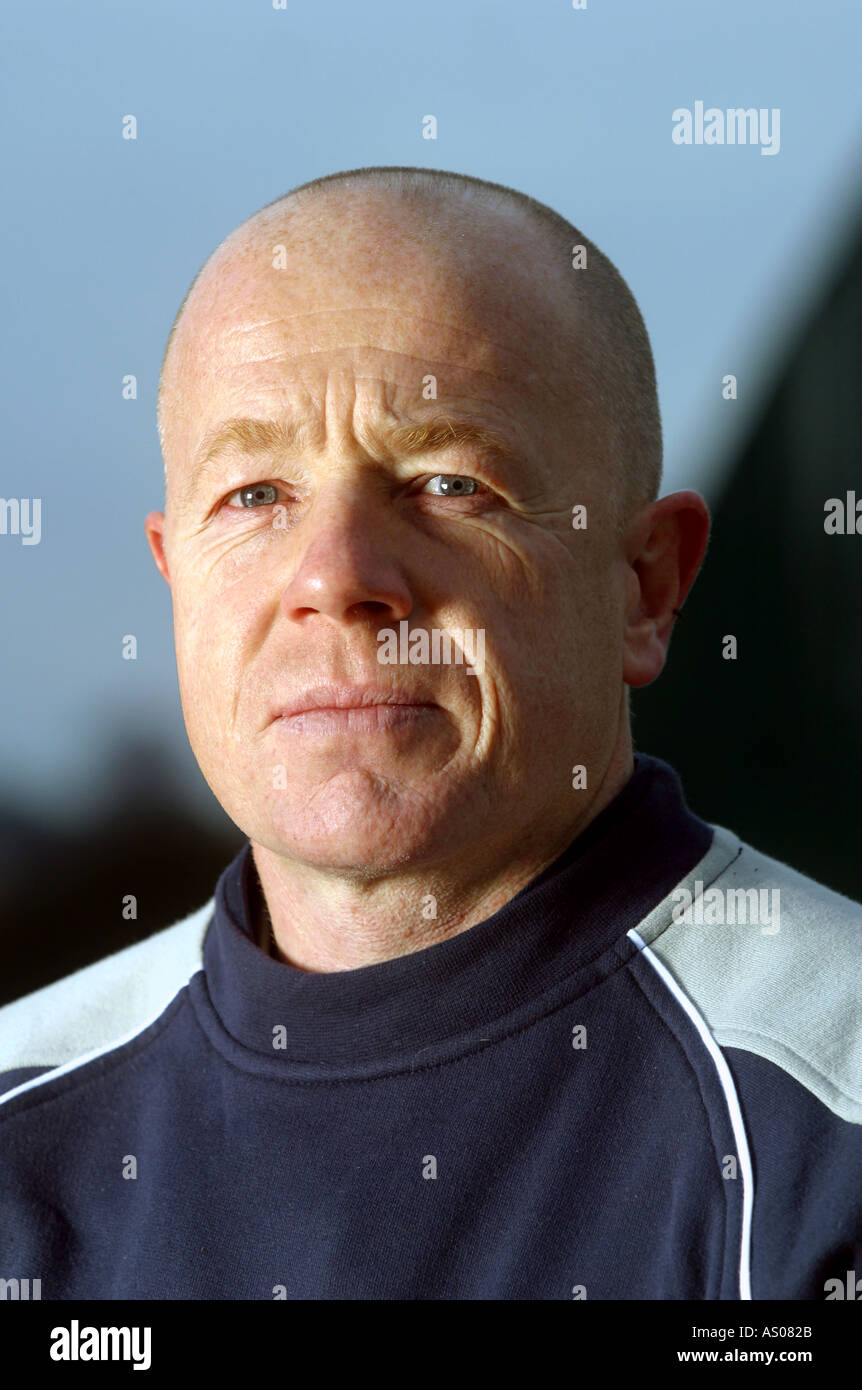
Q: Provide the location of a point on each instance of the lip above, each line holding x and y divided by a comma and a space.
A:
350, 697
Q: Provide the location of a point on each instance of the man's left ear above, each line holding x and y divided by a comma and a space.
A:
665, 546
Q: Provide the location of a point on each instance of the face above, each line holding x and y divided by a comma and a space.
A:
291, 556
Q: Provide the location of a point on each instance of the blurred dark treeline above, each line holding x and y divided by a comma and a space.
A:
768, 745
62, 894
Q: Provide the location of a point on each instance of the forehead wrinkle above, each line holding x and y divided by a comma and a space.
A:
249, 327
530, 369
443, 365
454, 328
364, 309
284, 356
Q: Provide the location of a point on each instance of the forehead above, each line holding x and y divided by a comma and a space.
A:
396, 291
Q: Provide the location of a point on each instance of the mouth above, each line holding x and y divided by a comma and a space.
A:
349, 709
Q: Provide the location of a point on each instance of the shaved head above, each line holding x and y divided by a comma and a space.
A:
591, 337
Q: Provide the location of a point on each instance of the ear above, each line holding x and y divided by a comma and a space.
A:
155, 529
665, 546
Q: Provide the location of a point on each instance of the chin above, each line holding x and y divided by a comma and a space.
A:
338, 828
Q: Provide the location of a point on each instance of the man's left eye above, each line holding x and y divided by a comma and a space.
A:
258, 495
454, 485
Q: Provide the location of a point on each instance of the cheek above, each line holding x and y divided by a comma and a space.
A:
562, 653
211, 636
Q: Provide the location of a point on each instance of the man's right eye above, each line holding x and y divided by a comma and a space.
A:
257, 495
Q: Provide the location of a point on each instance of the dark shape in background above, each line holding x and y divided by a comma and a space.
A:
767, 745
61, 901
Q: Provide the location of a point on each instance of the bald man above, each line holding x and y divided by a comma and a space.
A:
482, 1010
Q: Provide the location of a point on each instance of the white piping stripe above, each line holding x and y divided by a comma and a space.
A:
736, 1120
97, 1051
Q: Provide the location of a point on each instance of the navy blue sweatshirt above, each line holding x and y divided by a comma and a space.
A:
583, 1096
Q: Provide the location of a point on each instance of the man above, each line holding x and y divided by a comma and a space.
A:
482, 1010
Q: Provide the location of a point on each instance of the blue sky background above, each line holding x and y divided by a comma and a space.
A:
236, 102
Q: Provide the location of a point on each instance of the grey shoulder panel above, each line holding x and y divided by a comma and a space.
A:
104, 1004
773, 961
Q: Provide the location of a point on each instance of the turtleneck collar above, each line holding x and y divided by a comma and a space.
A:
563, 931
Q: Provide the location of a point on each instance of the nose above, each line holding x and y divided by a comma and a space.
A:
350, 564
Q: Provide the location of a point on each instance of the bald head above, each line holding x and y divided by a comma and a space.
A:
508, 253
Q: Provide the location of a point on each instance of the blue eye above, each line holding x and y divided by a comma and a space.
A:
258, 495
454, 485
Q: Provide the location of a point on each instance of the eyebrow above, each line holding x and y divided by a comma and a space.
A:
255, 438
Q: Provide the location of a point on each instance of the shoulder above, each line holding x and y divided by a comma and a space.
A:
772, 960
101, 1006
